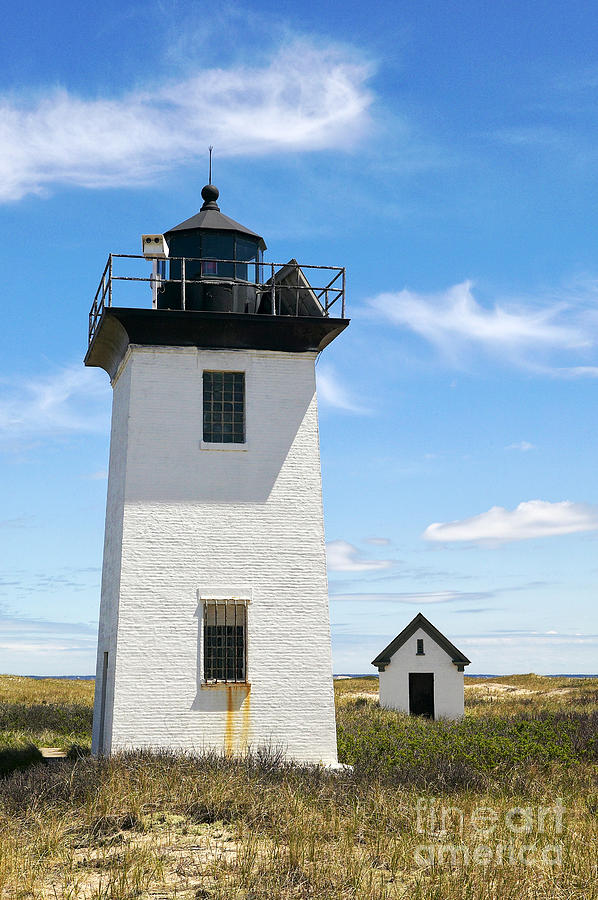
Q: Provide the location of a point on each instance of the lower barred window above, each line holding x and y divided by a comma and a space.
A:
224, 641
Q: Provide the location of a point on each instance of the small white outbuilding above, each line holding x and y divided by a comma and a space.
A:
421, 672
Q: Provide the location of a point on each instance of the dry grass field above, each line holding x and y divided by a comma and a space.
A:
501, 805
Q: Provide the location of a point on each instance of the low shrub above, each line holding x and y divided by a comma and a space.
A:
418, 751
18, 758
73, 718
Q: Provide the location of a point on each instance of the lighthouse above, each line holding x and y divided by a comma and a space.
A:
214, 628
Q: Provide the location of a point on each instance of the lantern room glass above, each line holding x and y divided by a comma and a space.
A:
215, 254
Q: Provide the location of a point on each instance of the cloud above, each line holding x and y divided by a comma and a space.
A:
530, 638
475, 609
100, 475
72, 399
453, 318
39, 645
578, 371
306, 98
524, 446
35, 648
378, 541
531, 519
344, 557
23, 625
18, 522
535, 136
332, 393
538, 336
22, 585
417, 597
399, 571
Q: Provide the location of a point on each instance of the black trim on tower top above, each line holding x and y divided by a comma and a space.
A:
119, 327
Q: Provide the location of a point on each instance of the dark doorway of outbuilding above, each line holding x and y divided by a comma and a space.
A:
421, 694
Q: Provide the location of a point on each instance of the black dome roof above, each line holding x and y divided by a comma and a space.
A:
210, 217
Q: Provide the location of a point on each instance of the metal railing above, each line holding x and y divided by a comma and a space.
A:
279, 282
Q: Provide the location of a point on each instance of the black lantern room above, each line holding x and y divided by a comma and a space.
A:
221, 260
211, 288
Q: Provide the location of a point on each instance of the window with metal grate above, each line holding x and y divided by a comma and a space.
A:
224, 641
224, 407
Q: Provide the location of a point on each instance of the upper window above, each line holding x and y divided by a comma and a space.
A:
224, 407
209, 267
215, 249
224, 641
420, 647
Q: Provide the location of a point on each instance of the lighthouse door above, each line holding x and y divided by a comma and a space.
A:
421, 694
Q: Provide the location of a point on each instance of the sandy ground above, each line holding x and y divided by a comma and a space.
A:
186, 861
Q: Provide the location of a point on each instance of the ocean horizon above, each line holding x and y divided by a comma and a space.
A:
361, 675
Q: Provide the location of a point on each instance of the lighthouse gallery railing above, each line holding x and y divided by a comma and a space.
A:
268, 282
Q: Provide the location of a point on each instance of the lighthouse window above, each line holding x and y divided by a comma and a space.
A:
224, 641
246, 252
215, 248
224, 407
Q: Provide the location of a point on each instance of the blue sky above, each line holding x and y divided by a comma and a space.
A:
447, 156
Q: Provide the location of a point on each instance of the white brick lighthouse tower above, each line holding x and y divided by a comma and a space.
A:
214, 628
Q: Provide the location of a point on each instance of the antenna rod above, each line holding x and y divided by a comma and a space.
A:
210, 175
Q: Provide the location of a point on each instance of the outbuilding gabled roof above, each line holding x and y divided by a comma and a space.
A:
420, 621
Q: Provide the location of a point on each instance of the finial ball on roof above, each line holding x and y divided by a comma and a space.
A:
210, 193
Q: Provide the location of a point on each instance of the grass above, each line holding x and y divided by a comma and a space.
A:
45, 712
170, 826
32, 691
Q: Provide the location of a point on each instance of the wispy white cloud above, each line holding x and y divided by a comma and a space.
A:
577, 371
416, 597
306, 98
453, 320
531, 519
22, 585
546, 136
344, 557
43, 646
524, 446
100, 475
333, 393
531, 638
24, 626
378, 541
25, 521
71, 399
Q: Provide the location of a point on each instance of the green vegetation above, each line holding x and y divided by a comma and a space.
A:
380, 741
45, 712
18, 689
164, 825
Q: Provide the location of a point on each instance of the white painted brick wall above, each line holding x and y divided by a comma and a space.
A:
112, 556
203, 521
448, 682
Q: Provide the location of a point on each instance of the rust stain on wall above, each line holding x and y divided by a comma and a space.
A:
246, 710
229, 733
238, 719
